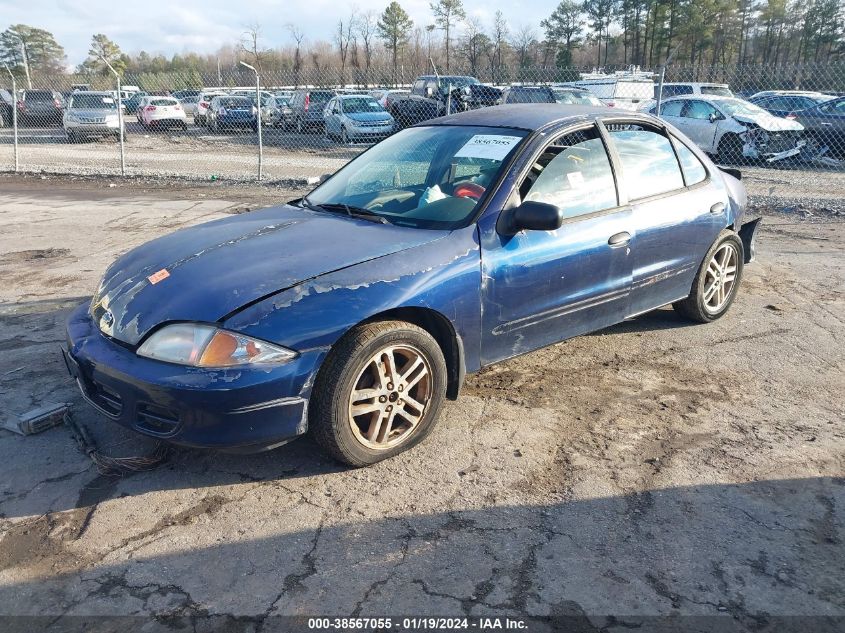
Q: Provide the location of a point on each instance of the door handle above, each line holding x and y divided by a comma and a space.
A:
619, 239
717, 208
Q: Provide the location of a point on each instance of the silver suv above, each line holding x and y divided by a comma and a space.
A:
91, 114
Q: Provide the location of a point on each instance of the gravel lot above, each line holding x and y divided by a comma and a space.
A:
653, 468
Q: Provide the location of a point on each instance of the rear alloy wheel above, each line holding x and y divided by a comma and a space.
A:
379, 392
716, 282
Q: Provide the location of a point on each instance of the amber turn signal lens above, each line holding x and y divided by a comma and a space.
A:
219, 351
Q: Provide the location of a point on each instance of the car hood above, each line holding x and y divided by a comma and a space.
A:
770, 123
369, 116
209, 271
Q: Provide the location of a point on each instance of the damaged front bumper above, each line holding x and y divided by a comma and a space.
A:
757, 145
244, 409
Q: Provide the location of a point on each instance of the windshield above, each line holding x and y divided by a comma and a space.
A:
423, 177
742, 108
721, 91
357, 105
93, 102
530, 95
235, 102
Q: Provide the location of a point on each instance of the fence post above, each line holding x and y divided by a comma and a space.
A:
257, 116
14, 115
119, 116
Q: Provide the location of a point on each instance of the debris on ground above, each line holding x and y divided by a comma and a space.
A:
37, 420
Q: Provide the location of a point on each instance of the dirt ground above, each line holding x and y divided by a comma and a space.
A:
655, 468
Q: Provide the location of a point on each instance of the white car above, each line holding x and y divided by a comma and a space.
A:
91, 114
161, 112
685, 89
732, 129
189, 104
201, 111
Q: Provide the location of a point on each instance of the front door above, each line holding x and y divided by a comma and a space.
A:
540, 287
697, 124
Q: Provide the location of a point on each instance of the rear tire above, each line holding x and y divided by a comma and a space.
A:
716, 282
386, 364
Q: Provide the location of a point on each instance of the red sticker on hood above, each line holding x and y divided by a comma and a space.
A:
159, 276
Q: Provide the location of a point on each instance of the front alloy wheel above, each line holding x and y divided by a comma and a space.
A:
378, 392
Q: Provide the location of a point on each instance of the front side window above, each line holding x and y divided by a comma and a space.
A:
423, 177
649, 164
700, 110
574, 174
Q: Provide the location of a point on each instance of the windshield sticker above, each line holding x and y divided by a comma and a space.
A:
491, 146
576, 179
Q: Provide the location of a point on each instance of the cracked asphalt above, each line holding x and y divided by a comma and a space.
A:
655, 468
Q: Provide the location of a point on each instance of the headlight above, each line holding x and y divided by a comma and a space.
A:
207, 346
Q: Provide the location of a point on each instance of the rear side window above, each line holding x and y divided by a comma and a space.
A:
573, 173
673, 108
649, 165
694, 171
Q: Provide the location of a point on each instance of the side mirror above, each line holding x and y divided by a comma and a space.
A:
534, 216
714, 117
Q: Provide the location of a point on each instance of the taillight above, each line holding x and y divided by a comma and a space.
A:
150, 108
204, 104
791, 116
57, 103
610, 104
20, 105
178, 106
307, 102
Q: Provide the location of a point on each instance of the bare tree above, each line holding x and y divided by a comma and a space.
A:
523, 42
367, 22
298, 36
251, 46
342, 37
500, 42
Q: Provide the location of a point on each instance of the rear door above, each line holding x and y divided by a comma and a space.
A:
677, 211
541, 287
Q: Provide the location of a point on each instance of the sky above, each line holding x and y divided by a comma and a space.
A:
168, 26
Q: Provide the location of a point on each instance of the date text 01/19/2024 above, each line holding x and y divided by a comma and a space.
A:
424, 623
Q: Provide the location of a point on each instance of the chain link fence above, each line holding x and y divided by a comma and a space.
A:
299, 124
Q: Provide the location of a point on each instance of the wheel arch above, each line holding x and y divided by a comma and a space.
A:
442, 330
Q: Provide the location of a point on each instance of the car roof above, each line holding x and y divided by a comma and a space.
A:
98, 93
701, 98
527, 116
354, 95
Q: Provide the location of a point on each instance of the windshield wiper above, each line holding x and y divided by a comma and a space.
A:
351, 211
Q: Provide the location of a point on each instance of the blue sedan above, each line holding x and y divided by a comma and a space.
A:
354, 312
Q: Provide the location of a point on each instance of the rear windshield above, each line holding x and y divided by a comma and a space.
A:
321, 96
530, 95
164, 102
39, 95
572, 97
236, 102
722, 91
99, 102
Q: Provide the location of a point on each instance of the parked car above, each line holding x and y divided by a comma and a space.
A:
351, 118
40, 107
131, 104
307, 109
232, 112
678, 88
733, 130
284, 94
825, 125
279, 113
91, 114
7, 106
431, 96
189, 104
161, 112
528, 94
355, 311
474, 96
202, 106
786, 103
570, 95
623, 89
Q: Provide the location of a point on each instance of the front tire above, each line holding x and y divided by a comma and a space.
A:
378, 393
716, 282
